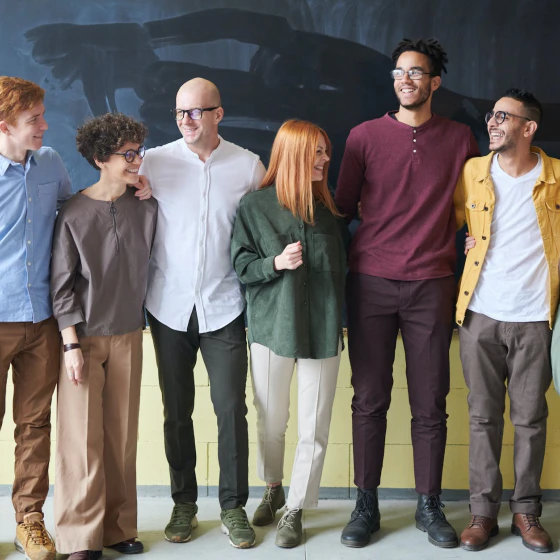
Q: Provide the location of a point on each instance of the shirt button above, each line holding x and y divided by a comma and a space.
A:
414, 131
459, 322
466, 293
305, 283
29, 199
483, 238
476, 263
29, 285
28, 264
28, 242
300, 225
304, 303
414, 151
414, 140
28, 221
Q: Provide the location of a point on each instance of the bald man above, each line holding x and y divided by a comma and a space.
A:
194, 301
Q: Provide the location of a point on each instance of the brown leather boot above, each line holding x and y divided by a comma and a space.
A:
476, 536
528, 527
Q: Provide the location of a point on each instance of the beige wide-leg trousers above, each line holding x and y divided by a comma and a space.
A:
272, 376
97, 428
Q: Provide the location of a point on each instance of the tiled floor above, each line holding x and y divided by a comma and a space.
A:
397, 540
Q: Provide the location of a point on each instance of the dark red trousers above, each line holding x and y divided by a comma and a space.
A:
423, 312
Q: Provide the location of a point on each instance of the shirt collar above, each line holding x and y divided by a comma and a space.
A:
189, 153
6, 162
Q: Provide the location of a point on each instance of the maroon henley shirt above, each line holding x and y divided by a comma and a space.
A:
404, 177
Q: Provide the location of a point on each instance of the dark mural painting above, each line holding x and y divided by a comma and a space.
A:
326, 61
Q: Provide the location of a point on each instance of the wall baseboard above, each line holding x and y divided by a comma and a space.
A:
327, 493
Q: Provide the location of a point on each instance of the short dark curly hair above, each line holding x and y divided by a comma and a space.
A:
530, 103
100, 137
430, 47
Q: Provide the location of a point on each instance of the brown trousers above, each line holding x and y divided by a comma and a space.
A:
423, 312
32, 349
97, 429
494, 353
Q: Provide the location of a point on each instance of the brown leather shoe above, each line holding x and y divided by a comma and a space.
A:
528, 527
477, 535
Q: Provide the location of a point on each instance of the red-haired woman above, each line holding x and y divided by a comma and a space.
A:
288, 248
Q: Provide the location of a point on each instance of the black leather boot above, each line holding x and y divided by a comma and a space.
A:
364, 520
431, 519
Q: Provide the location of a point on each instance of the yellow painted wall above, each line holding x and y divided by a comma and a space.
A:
338, 472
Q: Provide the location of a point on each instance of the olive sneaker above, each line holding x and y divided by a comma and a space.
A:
183, 520
236, 525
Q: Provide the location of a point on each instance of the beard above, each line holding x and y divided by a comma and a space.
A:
424, 95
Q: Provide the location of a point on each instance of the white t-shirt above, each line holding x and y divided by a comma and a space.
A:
513, 281
190, 264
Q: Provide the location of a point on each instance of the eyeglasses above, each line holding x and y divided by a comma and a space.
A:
501, 116
129, 155
413, 74
194, 114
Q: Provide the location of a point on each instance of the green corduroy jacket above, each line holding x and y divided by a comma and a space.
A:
295, 313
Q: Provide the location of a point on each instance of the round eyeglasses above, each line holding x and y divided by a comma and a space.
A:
129, 155
501, 116
194, 114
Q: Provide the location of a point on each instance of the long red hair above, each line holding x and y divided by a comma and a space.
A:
291, 169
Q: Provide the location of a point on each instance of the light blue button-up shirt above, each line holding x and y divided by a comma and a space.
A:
29, 197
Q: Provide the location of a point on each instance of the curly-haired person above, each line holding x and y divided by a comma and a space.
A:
99, 270
403, 167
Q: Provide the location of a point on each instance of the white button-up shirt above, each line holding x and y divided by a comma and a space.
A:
191, 262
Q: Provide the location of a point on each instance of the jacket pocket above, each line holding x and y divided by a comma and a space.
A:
553, 213
477, 210
48, 193
326, 251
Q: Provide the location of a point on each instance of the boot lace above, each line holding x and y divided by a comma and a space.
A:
531, 520
477, 520
288, 519
434, 507
269, 494
365, 506
36, 533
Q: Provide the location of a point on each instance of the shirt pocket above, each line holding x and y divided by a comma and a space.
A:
275, 244
326, 252
48, 193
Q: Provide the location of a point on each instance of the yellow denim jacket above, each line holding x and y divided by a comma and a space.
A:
474, 201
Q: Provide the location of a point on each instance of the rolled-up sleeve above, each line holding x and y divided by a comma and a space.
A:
67, 309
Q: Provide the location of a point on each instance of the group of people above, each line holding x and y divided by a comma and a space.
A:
177, 229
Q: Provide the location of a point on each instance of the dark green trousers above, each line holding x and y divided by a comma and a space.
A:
225, 355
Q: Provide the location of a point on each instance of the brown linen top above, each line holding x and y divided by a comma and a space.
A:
99, 266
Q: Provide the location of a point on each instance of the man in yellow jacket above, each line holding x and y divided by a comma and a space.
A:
508, 297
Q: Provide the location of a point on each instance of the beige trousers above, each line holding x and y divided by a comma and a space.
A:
97, 428
272, 376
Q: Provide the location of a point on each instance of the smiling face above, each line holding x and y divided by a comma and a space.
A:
321, 157
117, 170
507, 135
413, 94
27, 131
201, 133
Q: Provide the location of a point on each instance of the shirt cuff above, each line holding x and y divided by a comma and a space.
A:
268, 269
70, 319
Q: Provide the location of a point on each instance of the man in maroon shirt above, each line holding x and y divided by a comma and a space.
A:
403, 168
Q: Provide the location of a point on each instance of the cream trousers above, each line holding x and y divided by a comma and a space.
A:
272, 376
